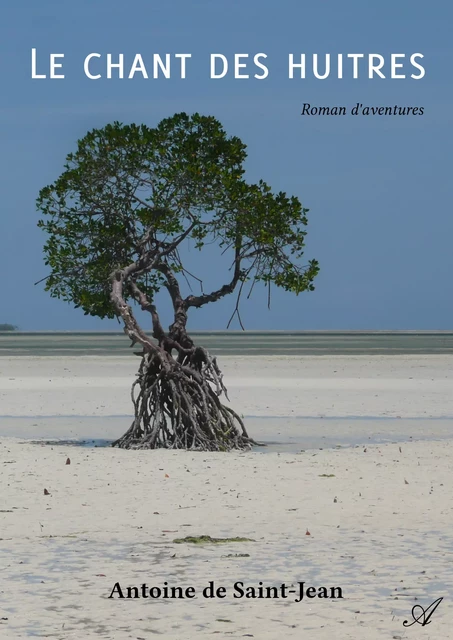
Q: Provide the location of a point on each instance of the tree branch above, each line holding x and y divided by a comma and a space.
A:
146, 305
198, 301
131, 326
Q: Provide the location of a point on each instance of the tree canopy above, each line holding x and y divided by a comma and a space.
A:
131, 194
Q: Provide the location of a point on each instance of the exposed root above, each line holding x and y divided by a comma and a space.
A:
177, 406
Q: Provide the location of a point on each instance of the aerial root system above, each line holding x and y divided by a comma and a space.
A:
177, 406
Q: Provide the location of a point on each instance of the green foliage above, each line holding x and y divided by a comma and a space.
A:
128, 182
8, 327
209, 540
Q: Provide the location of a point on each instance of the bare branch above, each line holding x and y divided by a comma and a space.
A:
147, 305
131, 326
198, 301
236, 311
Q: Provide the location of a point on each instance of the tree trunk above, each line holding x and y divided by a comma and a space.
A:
177, 405
176, 399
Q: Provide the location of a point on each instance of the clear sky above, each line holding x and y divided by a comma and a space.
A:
379, 189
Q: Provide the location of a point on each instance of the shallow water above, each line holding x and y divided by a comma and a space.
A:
279, 434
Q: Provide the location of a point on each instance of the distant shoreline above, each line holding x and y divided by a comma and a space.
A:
235, 343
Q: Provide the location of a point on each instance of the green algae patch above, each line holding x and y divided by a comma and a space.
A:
209, 540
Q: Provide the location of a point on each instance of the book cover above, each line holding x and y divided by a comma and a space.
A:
225, 341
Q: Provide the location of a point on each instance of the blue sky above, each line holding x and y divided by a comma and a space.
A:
379, 189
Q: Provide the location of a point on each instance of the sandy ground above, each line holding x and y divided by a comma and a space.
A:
404, 386
380, 517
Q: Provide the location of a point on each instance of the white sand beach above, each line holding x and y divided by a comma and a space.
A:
394, 386
375, 520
